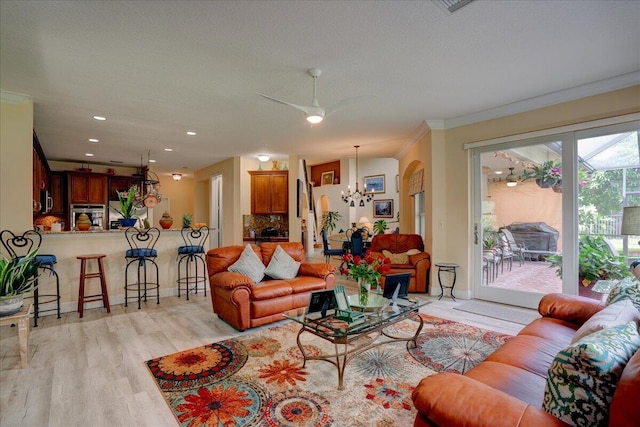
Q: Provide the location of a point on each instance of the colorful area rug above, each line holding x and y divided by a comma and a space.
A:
259, 379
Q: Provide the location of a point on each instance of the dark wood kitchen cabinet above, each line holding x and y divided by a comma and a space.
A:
269, 192
87, 188
119, 183
56, 184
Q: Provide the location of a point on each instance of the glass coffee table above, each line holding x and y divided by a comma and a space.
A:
348, 339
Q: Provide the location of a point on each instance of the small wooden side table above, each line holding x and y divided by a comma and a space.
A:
22, 319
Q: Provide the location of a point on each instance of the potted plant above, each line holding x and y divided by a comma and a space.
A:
17, 276
127, 209
330, 220
380, 226
547, 175
187, 219
595, 261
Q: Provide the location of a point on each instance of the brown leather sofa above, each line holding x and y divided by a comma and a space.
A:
507, 388
418, 265
243, 304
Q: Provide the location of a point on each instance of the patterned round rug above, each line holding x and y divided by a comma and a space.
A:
454, 347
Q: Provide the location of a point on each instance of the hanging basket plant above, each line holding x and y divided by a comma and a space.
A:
548, 175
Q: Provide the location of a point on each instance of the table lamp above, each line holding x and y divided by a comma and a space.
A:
631, 227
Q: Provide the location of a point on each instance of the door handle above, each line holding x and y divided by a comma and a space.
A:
475, 234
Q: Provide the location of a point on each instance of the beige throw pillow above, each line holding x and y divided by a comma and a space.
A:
401, 258
249, 264
282, 266
411, 252
619, 313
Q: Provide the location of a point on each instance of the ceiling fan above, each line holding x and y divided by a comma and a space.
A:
315, 113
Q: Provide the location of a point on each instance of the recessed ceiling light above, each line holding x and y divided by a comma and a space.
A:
498, 172
101, 118
93, 140
191, 133
168, 149
151, 161
88, 154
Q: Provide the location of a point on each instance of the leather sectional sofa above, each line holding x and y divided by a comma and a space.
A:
244, 304
418, 264
507, 388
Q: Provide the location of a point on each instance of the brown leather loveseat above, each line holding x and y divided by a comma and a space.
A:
507, 388
417, 264
244, 304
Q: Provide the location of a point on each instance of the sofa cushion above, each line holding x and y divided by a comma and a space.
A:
397, 243
282, 266
583, 376
615, 314
249, 264
626, 289
270, 289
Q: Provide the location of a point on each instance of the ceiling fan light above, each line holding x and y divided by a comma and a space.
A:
314, 119
263, 157
511, 179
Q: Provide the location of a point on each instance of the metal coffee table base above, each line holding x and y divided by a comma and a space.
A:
341, 358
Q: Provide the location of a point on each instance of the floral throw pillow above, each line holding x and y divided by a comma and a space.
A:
583, 377
627, 289
282, 266
249, 264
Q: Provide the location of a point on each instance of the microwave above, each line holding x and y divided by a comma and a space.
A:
97, 215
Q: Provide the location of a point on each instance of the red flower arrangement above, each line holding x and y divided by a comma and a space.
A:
368, 268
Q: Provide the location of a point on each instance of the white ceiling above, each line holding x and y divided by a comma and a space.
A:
158, 69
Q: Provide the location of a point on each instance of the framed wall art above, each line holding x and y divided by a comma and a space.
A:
327, 178
374, 183
383, 208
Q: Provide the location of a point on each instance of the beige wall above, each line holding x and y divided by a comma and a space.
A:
231, 197
16, 142
450, 198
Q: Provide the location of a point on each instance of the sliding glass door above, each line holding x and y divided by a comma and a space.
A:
543, 206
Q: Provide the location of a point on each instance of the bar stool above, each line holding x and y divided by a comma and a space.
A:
104, 295
141, 253
191, 257
19, 246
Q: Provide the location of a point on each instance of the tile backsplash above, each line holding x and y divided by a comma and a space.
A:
260, 222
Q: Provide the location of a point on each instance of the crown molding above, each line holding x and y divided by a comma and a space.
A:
553, 98
420, 132
12, 97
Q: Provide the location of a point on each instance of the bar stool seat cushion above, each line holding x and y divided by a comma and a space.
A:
192, 249
141, 253
46, 259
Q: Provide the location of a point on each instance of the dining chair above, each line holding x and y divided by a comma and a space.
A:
327, 251
357, 243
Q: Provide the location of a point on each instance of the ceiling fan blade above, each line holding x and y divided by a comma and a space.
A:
344, 102
297, 107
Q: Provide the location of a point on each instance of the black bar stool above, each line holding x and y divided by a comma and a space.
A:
190, 259
141, 253
103, 295
21, 245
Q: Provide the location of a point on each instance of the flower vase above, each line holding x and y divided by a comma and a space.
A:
363, 295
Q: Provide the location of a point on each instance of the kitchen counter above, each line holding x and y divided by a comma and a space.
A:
67, 245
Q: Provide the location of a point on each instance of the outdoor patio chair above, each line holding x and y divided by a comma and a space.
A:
517, 249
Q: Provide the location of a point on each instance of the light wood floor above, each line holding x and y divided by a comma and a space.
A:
91, 371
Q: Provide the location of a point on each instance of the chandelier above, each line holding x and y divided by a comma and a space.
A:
350, 197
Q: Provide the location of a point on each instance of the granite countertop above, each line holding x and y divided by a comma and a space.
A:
100, 231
